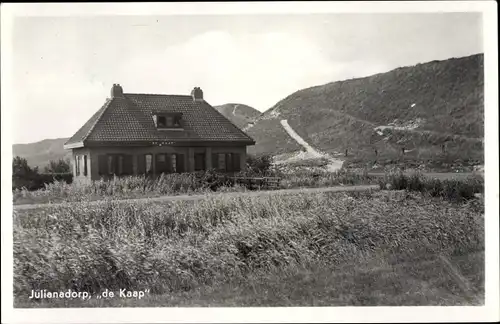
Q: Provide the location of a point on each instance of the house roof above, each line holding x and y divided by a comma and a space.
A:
128, 119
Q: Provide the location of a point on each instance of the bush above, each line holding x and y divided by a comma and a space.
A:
259, 164
60, 166
450, 189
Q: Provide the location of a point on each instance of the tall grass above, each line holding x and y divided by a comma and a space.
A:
316, 178
173, 184
450, 189
179, 246
118, 187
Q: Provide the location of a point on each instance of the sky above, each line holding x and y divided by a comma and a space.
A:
64, 67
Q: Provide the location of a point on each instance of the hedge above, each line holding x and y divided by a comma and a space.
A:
38, 180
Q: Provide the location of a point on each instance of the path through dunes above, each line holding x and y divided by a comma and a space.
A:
333, 164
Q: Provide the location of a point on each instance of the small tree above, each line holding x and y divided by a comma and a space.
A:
60, 166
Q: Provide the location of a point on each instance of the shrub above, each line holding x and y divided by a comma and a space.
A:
259, 164
450, 189
60, 166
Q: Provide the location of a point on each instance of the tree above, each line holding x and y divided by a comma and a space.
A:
21, 169
60, 166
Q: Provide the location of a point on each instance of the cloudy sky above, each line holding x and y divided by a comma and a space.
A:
63, 68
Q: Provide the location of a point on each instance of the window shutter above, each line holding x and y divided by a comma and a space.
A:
103, 165
236, 162
215, 161
180, 163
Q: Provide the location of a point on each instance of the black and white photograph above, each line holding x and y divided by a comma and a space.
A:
250, 162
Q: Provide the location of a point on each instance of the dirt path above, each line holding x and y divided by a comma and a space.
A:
333, 165
228, 194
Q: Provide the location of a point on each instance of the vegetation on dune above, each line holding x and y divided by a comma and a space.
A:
238, 114
442, 99
179, 247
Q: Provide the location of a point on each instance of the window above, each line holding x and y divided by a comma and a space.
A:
221, 162
85, 172
229, 162
162, 165
226, 162
120, 164
161, 121
179, 163
168, 120
199, 161
236, 162
115, 164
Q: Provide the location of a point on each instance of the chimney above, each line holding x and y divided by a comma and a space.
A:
117, 91
197, 94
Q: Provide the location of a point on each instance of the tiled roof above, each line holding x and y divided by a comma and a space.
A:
129, 119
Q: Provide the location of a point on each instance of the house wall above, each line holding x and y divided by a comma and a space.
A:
80, 152
137, 152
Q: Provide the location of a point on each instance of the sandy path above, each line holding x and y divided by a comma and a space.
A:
333, 165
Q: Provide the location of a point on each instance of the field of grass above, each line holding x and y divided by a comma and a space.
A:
172, 184
379, 248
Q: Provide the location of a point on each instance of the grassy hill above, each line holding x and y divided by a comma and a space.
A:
422, 107
239, 114
40, 153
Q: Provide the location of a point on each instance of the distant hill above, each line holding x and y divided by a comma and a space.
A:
238, 114
417, 108
40, 153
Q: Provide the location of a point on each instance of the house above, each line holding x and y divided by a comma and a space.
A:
151, 134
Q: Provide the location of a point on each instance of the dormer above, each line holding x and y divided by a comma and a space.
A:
168, 121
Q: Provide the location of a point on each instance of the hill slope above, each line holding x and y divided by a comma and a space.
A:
238, 114
432, 110
40, 153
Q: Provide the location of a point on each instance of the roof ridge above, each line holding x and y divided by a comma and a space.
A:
104, 108
157, 94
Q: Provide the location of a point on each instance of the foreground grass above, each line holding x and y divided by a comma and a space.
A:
315, 249
365, 283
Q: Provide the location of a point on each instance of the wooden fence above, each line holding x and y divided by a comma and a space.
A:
253, 182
